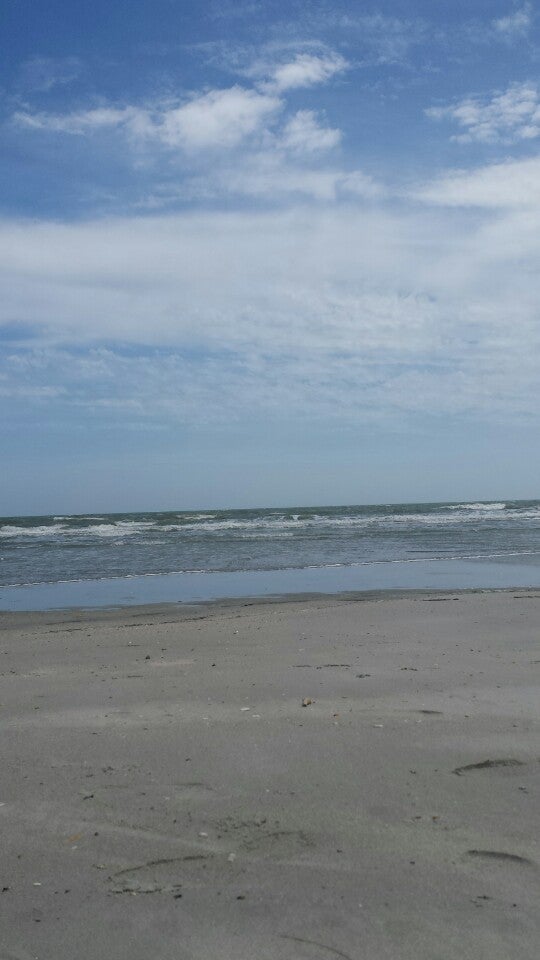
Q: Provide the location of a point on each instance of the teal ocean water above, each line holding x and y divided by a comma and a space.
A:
244, 544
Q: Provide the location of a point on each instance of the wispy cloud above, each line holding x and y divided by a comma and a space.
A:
505, 117
219, 118
497, 186
380, 39
515, 25
348, 313
303, 134
43, 74
84, 122
274, 178
305, 70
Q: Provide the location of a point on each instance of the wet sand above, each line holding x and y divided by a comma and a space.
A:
165, 795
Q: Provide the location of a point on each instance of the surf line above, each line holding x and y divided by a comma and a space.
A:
318, 566
471, 556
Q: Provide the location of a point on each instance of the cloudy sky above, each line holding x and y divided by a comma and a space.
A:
268, 252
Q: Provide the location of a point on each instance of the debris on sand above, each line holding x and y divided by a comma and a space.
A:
488, 764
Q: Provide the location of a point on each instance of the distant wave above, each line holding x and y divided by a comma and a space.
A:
196, 516
122, 528
73, 516
477, 506
37, 531
268, 525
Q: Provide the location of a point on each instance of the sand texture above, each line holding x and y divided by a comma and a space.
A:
165, 795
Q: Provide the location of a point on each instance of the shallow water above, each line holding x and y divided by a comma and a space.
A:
194, 588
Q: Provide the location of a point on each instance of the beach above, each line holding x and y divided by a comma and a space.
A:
289, 779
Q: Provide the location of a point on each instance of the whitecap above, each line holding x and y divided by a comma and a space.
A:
196, 516
37, 531
478, 506
123, 528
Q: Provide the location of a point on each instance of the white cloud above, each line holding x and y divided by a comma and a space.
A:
516, 24
19, 391
513, 184
306, 70
134, 119
278, 157
219, 118
272, 177
502, 117
266, 177
303, 134
338, 310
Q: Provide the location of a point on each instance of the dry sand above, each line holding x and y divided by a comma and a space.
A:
166, 796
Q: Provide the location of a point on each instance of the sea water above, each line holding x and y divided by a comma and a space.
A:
66, 560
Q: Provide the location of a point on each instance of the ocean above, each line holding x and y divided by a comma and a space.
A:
192, 555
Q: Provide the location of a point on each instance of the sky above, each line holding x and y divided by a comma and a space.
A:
268, 253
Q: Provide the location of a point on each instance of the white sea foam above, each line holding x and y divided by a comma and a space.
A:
478, 506
44, 530
196, 516
273, 524
121, 528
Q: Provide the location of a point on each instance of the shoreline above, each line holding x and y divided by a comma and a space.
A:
184, 610
422, 574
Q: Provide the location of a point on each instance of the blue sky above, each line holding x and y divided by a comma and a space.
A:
268, 253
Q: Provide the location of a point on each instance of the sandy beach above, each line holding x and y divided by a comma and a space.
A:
165, 795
